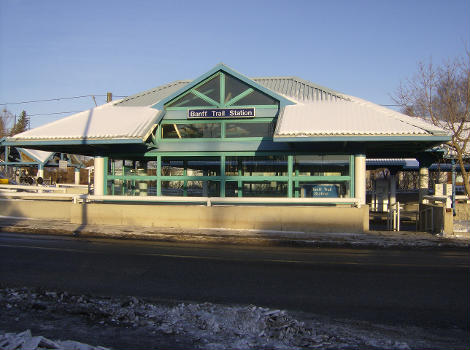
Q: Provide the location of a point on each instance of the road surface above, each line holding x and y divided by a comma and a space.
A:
426, 288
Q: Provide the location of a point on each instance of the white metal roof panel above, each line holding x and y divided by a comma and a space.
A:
103, 122
355, 117
41, 156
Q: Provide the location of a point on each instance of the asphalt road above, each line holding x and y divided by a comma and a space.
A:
426, 288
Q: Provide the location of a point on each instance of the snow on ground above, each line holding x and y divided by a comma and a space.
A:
26, 341
206, 325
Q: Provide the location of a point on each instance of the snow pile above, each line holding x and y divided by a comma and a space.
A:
206, 325
26, 341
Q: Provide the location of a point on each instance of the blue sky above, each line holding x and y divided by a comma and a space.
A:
365, 48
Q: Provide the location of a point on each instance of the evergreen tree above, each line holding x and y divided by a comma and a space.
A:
21, 125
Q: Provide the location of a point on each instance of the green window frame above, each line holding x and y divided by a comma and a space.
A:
232, 92
149, 182
269, 122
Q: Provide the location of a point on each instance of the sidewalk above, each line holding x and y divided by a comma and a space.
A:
372, 239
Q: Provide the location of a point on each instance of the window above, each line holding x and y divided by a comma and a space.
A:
327, 165
183, 131
193, 166
262, 129
256, 189
256, 166
211, 88
220, 91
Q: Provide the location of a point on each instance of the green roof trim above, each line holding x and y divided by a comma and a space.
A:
359, 138
222, 67
25, 143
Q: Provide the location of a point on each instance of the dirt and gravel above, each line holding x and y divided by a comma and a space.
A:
131, 323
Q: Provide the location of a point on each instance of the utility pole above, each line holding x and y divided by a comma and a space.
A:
109, 97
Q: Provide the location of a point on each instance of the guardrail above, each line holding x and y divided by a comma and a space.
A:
65, 196
73, 185
209, 201
33, 188
225, 200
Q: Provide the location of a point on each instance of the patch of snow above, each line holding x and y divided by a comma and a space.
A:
26, 341
206, 325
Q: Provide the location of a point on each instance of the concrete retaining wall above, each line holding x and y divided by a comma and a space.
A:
278, 218
38, 209
436, 219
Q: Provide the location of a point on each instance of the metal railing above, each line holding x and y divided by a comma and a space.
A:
28, 188
393, 217
44, 192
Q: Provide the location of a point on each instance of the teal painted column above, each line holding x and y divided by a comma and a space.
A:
159, 174
222, 175
105, 175
290, 170
41, 171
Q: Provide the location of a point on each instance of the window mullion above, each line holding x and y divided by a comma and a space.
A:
205, 98
222, 90
239, 97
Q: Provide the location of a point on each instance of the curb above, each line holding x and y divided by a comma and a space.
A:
379, 240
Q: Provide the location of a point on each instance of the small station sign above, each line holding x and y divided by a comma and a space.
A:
221, 113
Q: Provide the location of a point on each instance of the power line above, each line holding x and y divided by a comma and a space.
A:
54, 99
44, 114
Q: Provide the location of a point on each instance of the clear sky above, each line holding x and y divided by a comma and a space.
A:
56, 48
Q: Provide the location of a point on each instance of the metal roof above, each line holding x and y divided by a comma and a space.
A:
352, 117
319, 112
103, 122
40, 156
152, 96
299, 89
291, 87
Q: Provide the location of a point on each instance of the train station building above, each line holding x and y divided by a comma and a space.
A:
228, 140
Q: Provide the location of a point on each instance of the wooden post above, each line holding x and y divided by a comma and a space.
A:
109, 97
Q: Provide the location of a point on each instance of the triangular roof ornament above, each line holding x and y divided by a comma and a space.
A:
283, 101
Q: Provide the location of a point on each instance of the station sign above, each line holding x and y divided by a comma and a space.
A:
214, 113
324, 191
63, 164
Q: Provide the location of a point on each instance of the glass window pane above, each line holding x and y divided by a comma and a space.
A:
195, 166
132, 187
172, 188
233, 87
324, 189
256, 189
231, 189
199, 130
211, 88
265, 129
264, 189
189, 100
256, 98
256, 166
191, 188
316, 165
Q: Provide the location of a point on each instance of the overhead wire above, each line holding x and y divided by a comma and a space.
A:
93, 96
54, 99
